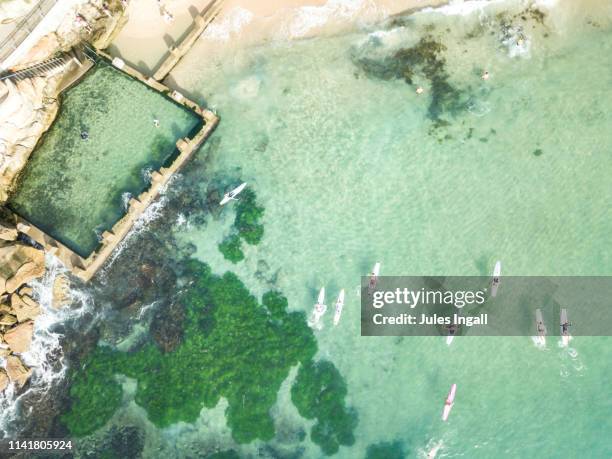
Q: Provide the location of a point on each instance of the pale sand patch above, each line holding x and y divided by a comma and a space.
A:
145, 39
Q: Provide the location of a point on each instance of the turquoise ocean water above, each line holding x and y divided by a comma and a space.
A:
353, 167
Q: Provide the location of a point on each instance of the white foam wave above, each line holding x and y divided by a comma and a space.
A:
545, 3
147, 174
307, 18
461, 7
231, 24
125, 200
45, 355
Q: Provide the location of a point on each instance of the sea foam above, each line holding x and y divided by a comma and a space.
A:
45, 356
231, 24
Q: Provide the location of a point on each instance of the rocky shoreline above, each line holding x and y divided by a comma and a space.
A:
28, 107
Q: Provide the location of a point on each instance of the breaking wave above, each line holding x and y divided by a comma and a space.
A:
45, 356
232, 23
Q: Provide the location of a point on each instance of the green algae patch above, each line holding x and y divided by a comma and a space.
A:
318, 393
248, 215
97, 395
233, 347
386, 450
425, 58
229, 454
231, 248
247, 227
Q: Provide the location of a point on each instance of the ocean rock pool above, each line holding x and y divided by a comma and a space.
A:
74, 188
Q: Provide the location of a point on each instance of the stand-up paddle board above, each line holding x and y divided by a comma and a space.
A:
318, 310
374, 277
496, 278
231, 196
339, 306
450, 401
452, 332
565, 334
540, 328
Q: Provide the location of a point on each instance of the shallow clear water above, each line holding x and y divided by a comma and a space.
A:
351, 170
74, 189
353, 167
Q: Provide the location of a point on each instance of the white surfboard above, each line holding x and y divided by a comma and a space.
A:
565, 335
449, 339
318, 310
231, 196
374, 277
540, 337
450, 401
496, 278
339, 306
497, 269
434, 451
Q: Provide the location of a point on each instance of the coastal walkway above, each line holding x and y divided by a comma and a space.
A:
86, 268
45, 68
24, 27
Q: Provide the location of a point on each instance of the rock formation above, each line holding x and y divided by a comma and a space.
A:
28, 107
17, 371
19, 264
19, 338
61, 291
4, 380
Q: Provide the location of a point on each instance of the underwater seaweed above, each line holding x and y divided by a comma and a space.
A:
233, 347
318, 393
230, 248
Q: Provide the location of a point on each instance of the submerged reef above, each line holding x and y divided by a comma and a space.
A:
217, 358
318, 393
233, 347
386, 450
247, 227
231, 248
424, 58
248, 215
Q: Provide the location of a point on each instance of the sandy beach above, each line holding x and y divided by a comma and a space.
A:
147, 36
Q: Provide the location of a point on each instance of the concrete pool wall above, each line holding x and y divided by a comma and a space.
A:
86, 268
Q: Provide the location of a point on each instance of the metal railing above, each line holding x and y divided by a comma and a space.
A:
24, 28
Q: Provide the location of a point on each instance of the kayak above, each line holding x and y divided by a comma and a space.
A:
227, 197
450, 401
339, 306
565, 335
540, 328
496, 276
321, 297
318, 310
374, 277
